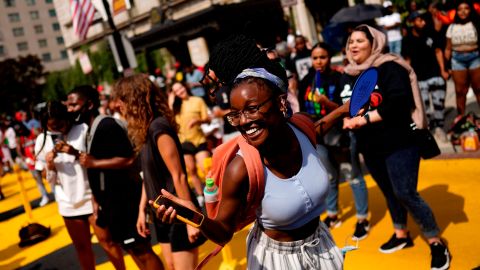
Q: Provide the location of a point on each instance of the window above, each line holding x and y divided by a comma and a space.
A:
18, 32
38, 29
34, 15
14, 17
22, 46
9, 3
2, 50
56, 26
52, 12
60, 40
47, 57
42, 43
30, 2
63, 54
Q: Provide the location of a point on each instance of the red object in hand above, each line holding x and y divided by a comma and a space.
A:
375, 99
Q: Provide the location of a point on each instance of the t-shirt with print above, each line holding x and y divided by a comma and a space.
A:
462, 34
308, 86
192, 108
394, 131
421, 52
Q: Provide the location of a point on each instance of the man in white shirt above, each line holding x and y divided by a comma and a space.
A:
391, 24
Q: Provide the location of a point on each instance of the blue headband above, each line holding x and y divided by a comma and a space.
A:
264, 74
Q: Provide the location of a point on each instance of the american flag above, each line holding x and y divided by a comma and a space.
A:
82, 15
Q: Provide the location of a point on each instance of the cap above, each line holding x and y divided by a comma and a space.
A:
415, 14
387, 4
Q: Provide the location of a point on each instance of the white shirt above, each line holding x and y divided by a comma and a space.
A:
11, 137
40, 152
72, 190
462, 34
388, 21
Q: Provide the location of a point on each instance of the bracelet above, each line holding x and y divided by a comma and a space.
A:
367, 117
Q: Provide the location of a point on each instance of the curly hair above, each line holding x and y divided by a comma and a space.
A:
143, 103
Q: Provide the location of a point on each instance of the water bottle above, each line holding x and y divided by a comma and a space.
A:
210, 192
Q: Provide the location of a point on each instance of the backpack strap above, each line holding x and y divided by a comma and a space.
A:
305, 124
92, 129
94, 126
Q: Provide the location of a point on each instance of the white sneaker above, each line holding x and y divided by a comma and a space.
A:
44, 201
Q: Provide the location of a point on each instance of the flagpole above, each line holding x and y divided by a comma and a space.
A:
127, 71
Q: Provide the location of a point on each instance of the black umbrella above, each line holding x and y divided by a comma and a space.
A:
358, 13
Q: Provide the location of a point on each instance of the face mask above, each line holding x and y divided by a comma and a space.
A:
81, 115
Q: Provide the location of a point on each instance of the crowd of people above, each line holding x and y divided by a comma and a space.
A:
106, 160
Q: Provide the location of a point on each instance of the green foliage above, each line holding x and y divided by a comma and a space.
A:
58, 84
19, 82
156, 59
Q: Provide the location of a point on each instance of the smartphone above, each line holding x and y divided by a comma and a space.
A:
184, 214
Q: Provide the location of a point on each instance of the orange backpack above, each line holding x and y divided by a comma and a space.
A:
226, 152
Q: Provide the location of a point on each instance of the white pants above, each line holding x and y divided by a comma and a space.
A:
317, 251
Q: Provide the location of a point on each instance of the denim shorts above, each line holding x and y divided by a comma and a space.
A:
465, 60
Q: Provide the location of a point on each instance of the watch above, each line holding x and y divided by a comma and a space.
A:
367, 117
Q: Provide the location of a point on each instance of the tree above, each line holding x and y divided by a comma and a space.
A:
58, 84
20, 81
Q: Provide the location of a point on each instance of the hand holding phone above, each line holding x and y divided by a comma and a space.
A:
184, 214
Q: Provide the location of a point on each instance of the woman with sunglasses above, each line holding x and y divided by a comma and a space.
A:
287, 233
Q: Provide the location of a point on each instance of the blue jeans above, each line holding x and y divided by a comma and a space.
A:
395, 46
465, 60
396, 175
356, 181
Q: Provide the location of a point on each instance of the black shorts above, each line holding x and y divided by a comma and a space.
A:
190, 149
176, 235
81, 217
123, 229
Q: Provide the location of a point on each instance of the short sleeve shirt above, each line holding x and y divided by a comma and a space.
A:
462, 34
155, 172
192, 108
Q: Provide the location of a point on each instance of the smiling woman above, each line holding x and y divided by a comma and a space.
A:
295, 179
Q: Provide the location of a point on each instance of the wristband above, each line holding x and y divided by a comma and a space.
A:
367, 117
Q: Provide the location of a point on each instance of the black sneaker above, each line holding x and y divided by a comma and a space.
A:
361, 230
332, 222
440, 256
395, 244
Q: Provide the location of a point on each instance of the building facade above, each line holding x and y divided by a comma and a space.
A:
171, 24
31, 27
